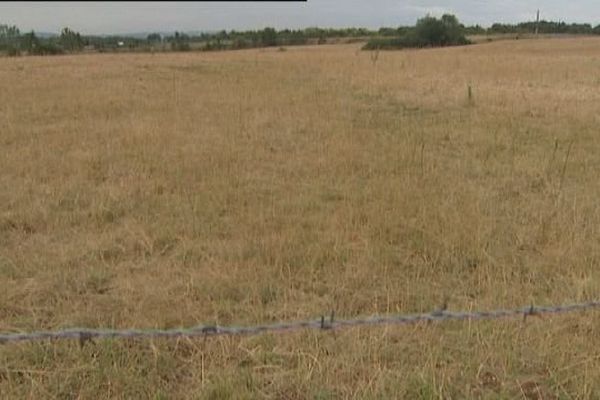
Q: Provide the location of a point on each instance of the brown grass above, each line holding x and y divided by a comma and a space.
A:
252, 186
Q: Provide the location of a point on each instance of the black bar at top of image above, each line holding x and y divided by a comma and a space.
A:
245, 1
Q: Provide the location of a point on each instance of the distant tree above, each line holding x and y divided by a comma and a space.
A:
429, 32
387, 32
180, 42
71, 40
473, 30
8, 33
33, 45
446, 31
268, 37
9, 39
154, 38
502, 28
29, 42
222, 35
543, 27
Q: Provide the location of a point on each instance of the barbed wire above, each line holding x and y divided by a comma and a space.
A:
323, 323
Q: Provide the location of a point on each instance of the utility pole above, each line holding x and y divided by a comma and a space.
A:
537, 23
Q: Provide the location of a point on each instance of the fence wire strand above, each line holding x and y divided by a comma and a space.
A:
323, 323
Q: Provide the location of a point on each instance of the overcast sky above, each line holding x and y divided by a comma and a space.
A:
123, 17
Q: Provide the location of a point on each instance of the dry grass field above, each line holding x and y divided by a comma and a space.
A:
167, 190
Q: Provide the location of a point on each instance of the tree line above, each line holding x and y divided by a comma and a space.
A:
547, 27
429, 31
14, 43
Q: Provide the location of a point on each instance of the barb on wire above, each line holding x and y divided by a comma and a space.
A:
85, 335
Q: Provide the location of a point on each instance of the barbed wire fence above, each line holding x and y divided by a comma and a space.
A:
323, 323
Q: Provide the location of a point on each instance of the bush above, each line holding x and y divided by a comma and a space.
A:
13, 51
180, 46
214, 46
46, 49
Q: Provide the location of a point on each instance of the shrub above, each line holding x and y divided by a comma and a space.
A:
13, 51
46, 49
214, 45
180, 46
